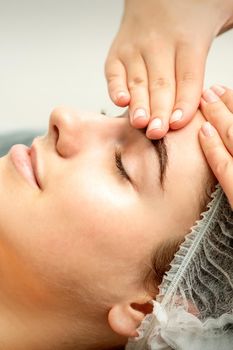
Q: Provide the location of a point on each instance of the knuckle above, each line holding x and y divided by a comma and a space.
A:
187, 77
153, 45
127, 53
158, 83
112, 77
136, 82
221, 167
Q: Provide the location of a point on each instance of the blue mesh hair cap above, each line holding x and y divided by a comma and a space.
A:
194, 308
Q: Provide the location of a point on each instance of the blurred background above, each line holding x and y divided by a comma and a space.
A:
52, 53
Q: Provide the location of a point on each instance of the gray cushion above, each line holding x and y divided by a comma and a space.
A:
11, 138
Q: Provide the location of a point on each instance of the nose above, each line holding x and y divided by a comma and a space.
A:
76, 130
67, 125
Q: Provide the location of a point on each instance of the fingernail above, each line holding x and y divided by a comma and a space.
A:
176, 115
139, 113
219, 90
209, 96
155, 124
207, 129
121, 94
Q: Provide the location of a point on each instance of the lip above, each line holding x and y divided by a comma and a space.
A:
34, 160
24, 160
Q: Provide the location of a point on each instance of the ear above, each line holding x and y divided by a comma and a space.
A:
124, 319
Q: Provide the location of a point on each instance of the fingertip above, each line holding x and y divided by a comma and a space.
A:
181, 116
207, 129
139, 117
121, 98
181, 122
187, 100
218, 89
156, 134
139, 123
176, 116
175, 119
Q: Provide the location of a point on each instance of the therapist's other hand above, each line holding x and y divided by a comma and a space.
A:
156, 63
216, 135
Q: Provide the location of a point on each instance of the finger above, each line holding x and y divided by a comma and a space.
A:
225, 94
139, 110
161, 82
219, 159
116, 80
190, 66
216, 112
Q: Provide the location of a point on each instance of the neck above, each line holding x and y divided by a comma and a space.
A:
32, 316
39, 331
23, 331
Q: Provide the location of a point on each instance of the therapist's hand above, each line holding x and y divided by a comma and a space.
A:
216, 135
157, 61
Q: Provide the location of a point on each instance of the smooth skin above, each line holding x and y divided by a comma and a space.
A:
216, 135
73, 253
156, 63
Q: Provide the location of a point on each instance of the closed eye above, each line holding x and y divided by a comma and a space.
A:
120, 166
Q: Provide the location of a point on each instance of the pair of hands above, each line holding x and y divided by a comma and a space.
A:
157, 61
156, 67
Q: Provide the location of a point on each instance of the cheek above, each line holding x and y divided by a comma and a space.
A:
73, 221
95, 205
83, 228
98, 221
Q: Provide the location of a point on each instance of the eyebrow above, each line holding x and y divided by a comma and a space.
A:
160, 149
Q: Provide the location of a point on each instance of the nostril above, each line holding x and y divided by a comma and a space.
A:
56, 138
56, 133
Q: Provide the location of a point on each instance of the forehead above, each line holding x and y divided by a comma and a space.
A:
187, 172
184, 147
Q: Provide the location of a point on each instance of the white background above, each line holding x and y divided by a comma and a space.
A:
52, 53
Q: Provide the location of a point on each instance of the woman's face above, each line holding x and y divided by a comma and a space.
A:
90, 230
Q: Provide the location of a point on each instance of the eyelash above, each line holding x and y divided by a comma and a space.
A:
120, 166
